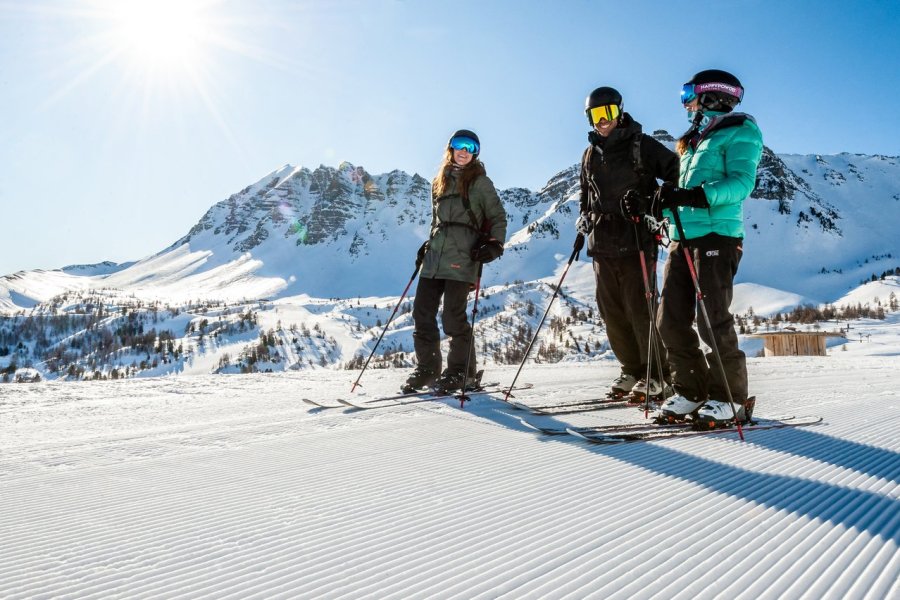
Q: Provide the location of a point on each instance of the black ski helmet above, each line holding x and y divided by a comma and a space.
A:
601, 97
469, 134
716, 89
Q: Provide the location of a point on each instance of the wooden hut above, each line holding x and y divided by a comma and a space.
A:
795, 343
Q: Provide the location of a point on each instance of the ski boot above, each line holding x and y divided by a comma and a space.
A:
622, 386
676, 409
451, 381
658, 392
420, 379
716, 414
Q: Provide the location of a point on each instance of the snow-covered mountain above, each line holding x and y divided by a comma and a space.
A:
817, 228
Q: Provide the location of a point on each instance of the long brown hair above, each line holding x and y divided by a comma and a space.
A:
467, 175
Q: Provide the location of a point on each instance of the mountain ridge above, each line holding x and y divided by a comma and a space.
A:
302, 268
299, 225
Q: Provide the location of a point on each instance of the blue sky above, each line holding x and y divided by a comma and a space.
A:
122, 128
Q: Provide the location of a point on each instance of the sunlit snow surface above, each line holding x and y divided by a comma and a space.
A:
231, 487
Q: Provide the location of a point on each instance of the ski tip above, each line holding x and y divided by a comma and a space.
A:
529, 424
576, 433
543, 430
533, 426
348, 403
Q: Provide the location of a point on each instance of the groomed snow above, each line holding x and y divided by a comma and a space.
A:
231, 487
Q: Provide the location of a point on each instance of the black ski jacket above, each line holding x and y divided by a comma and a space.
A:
608, 171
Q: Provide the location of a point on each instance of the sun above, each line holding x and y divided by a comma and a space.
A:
161, 34
157, 62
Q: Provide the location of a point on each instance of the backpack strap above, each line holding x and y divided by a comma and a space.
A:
473, 220
468, 206
593, 191
636, 159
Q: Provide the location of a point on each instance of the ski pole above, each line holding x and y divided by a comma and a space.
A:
371, 354
462, 394
652, 340
702, 304
579, 244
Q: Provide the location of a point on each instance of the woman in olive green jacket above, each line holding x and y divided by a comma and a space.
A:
468, 229
719, 157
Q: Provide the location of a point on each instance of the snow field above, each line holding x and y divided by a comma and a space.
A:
230, 487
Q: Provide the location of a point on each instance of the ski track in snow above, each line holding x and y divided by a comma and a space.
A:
231, 487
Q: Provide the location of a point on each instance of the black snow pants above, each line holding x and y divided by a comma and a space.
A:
427, 337
622, 300
697, 376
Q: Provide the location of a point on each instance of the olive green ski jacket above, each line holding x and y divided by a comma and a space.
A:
453, 235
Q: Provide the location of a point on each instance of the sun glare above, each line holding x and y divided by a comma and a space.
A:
157, 61
161, 34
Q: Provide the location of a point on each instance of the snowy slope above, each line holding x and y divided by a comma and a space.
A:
230, 487
834, 232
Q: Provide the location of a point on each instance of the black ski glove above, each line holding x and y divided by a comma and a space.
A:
633, 204
420, 255
671, 196
486, 251
579, 243
584, 225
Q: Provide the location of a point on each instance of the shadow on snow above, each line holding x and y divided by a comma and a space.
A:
864, 510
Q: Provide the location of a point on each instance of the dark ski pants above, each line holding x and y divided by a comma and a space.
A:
427, 337
622, 300
697, 376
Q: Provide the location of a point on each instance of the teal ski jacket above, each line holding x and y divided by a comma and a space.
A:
723, 159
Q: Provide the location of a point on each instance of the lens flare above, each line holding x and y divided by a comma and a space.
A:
300, 231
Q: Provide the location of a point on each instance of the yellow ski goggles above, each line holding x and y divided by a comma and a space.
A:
608, 112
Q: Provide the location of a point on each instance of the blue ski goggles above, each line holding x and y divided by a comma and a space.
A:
465, 143
690, 91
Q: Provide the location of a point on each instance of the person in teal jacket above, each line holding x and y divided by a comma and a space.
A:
468, 229
719, 156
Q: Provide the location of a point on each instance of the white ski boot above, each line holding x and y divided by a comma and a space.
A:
715, 414
676, 408
622, 385
657, 390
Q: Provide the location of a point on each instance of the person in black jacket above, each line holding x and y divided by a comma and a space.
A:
622, 160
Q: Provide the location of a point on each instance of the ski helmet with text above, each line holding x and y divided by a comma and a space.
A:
603, 96
716, 90
465, 138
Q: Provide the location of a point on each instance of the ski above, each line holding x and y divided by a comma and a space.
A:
399, 400
639, 428
671, 431
584, 406
627, 427
331, 404
410, 398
